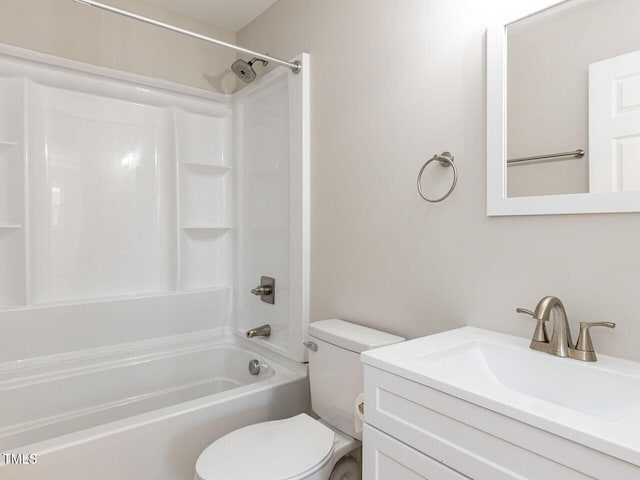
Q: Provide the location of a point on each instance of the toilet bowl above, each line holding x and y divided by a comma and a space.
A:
301, 447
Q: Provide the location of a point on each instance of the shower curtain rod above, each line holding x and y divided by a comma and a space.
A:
295, 66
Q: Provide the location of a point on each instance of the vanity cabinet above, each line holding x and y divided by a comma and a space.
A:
386, 457
413, 431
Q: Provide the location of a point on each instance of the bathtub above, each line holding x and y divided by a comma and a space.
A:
141, 411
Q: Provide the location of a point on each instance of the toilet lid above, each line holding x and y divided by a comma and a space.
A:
281, 449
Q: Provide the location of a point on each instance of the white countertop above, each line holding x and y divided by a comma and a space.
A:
594, 404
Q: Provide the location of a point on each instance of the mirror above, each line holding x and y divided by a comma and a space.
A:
563, 106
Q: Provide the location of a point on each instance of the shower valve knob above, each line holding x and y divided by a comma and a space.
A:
262, 290
266, 290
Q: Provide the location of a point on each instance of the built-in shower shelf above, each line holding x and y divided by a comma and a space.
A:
10, 227
5, 143
206, 258
205, 196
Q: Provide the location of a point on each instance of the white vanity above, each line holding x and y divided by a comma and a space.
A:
471, 403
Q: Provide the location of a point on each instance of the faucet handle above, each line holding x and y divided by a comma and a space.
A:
584, 339
266, 290
540, 334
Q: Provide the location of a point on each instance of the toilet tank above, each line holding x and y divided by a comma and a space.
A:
335, 371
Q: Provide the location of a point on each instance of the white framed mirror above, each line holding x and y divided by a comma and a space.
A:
564, 77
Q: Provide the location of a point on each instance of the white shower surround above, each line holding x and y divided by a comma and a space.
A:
189, 252
179, 215
123, 153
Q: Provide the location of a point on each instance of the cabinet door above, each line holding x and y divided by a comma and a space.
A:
386, 458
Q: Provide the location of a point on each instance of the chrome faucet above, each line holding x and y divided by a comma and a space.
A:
561, 333
561, 344
262, 331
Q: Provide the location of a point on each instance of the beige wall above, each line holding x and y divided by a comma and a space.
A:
68, 29
548, 88
394, 82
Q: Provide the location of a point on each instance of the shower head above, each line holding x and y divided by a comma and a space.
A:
244, 70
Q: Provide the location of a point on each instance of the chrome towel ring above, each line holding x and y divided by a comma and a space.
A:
446, 160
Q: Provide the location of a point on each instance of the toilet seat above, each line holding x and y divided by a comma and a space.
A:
288, 449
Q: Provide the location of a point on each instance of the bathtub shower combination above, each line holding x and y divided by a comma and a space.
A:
135, 218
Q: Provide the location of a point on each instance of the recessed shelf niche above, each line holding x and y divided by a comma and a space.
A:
205, 196
205, 212
203, 139
206, 258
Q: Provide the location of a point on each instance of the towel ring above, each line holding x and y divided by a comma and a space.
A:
446, 160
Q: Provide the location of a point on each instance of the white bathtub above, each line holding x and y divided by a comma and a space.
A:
145, 411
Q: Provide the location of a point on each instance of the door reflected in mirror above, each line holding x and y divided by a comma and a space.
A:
573, 99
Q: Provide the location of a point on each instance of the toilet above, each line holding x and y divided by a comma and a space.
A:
301, 447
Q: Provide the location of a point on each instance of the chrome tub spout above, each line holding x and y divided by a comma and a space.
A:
262, 331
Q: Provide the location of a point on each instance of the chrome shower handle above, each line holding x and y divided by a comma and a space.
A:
262, 290
266, 290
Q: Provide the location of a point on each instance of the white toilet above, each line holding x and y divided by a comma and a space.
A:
300, 447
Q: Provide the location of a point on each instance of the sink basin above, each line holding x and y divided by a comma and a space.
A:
595, 404
563, 382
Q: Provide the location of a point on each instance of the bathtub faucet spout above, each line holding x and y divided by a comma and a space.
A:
262, 331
